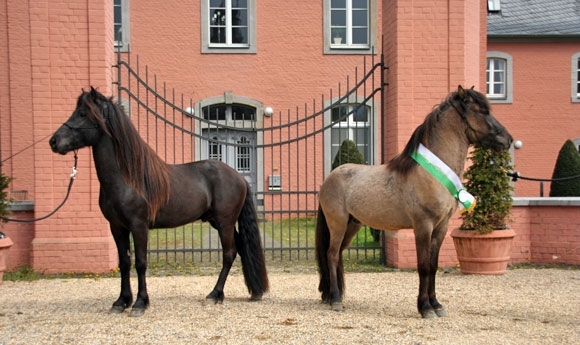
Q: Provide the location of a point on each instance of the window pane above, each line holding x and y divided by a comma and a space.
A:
361, 138
240, 17
243, 156
339, 113
498, 77
240, 35
498, 89
338, 18
240, 3
214, 149
214, 112
359, 36
118, 20
360, 18
360, 4
338, 3
361, 114
243, 112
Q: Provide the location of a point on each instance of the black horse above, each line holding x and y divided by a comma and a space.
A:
140, 192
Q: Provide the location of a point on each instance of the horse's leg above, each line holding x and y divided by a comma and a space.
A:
229, 255
339, 228
423, 246
140, 242
352, 229
437, 240
121, 236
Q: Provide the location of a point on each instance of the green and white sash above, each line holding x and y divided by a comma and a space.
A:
446, 176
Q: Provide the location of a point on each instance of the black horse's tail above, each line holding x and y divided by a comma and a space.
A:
250, 249
322, 245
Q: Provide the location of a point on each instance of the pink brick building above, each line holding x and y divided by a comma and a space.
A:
285, 55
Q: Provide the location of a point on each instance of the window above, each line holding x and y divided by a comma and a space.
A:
493, 6
243, 155
349, 26
214, 149
223, 112
121, 24
496, 78
351, 122
576, 78
228, 26
499, 77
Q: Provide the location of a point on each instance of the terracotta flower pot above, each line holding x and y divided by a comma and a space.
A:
5, 244
483, 253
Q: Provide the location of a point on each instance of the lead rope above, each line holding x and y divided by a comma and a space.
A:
73, 175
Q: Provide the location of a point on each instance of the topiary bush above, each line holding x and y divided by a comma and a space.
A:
567, 165
348, 153
487, 180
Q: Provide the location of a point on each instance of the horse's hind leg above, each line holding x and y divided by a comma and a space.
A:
338, 242
229, 255
125, 299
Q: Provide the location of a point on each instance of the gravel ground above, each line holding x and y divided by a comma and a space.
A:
524, 306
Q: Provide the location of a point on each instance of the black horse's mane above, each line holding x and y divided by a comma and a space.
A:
403, 162
140, 166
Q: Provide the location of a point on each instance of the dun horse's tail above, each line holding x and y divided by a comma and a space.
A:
250, 249
322, 245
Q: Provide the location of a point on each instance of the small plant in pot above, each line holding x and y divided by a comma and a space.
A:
477, 242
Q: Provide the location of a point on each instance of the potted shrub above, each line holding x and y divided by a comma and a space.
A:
483, 241
5, 242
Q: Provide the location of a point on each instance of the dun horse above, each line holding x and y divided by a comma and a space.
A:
403, 194
139, 192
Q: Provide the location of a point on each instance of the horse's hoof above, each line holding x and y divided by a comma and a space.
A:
116, 310
212, 300
336, 306
137, 312
429, 314
256, 297
440, 312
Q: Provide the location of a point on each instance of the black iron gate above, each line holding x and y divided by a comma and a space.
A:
285, 161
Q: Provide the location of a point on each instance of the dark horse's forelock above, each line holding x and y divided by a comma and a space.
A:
403, 162
140, 167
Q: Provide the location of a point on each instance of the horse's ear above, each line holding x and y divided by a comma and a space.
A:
472, 87
94, 93
461, 92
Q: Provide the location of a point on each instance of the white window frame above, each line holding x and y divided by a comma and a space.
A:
228, 48
123, 45
493, 6
507, 97
347, 47
575, 78
372, 124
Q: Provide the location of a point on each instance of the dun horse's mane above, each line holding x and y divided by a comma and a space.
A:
403, 162
140, 166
